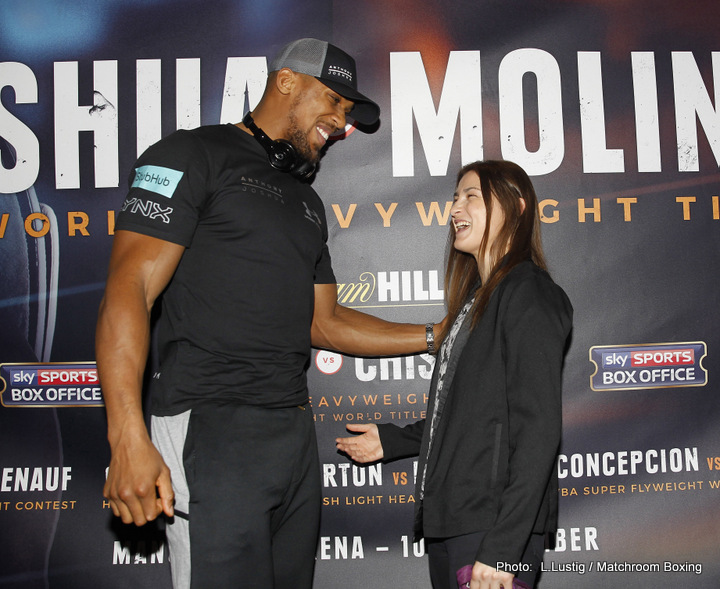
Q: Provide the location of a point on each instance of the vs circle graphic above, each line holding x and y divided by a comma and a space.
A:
328, 362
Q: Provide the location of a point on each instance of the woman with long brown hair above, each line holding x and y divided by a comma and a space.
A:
486, 489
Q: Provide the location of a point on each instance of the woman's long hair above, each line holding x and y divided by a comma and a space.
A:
518, 239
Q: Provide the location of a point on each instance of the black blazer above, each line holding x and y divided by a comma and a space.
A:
492, 464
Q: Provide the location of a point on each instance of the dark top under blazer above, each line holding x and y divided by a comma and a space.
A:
492, 465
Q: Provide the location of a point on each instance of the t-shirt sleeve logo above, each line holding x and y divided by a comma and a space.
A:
162, 181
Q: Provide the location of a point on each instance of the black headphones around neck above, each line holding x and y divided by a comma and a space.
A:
282, 154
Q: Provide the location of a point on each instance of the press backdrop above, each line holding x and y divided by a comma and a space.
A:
612, 107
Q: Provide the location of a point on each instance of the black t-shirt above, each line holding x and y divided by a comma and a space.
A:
235, 319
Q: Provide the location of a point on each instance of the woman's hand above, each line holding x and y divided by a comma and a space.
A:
363, 448
486, 577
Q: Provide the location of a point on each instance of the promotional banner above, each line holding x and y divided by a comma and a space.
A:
612, 109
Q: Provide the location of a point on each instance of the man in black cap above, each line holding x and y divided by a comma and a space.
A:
222, 222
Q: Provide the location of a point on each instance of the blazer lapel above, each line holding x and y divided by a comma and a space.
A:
457, 349
458, 345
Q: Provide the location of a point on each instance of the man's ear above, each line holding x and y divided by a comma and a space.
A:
285, 80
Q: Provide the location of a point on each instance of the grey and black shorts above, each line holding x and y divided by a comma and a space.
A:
247, 496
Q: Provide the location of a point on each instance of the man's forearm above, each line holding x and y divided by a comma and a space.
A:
122, 343
351, 332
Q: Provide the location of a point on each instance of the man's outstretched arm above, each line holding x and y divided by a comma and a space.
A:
348, 331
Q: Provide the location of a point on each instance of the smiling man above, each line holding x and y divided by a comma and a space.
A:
221, 223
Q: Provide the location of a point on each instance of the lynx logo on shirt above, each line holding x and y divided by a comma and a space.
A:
147, 208
162, 181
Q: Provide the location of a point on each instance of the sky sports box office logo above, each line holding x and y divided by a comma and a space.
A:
648, 366
50, 385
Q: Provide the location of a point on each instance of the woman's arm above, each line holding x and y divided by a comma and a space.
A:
537, 319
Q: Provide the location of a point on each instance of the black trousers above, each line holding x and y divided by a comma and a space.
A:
254, 513
447, 555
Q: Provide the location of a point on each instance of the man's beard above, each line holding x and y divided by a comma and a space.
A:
298, 137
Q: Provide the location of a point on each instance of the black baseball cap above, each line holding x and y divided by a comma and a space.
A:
333, 67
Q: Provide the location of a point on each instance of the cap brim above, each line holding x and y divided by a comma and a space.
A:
365, 111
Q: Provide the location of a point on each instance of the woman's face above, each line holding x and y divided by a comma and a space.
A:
469, 217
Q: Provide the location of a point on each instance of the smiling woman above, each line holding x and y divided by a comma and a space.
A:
496, 209
497, 375
476, 225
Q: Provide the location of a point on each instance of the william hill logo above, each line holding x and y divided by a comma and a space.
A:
394, 288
